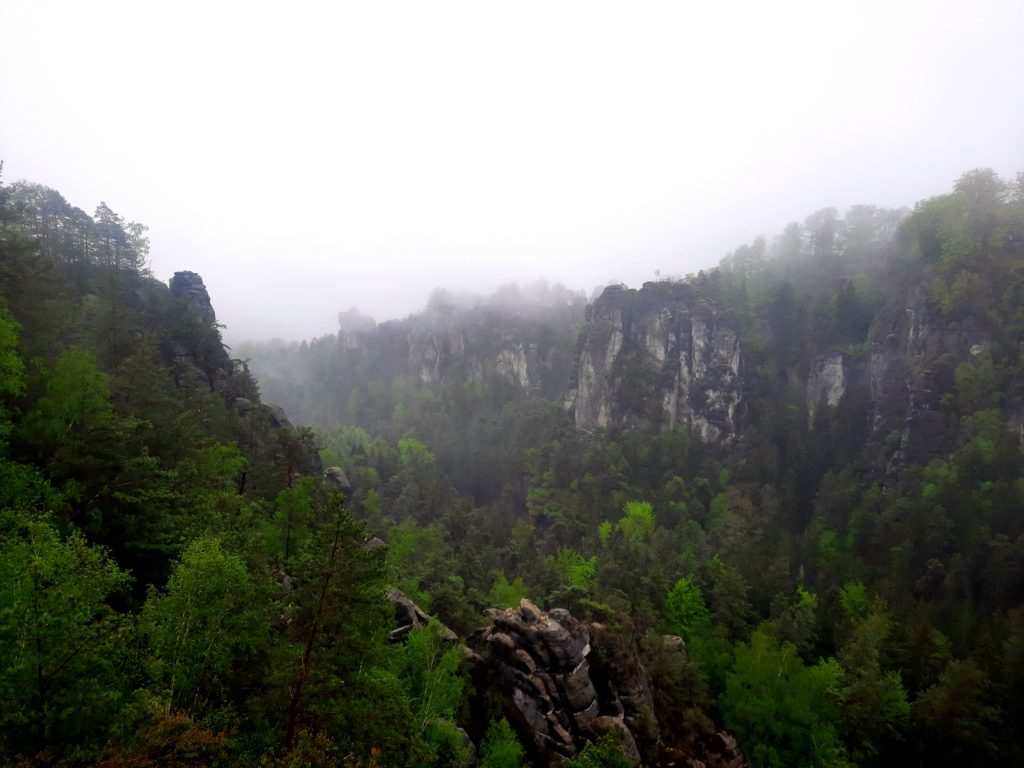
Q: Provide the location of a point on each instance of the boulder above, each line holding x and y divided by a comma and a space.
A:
338, 480
409, 615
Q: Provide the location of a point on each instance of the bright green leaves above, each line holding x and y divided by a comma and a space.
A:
76, 404
430, 669
685, 609
855, 601
412, 453
290, 528
202, 628
782, 712
500, 748
73, 425
574, 570
60, 643
336, 622
506, 594
637, 524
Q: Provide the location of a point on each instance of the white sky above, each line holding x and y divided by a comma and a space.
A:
308, 157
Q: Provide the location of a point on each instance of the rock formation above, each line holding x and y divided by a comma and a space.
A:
826, 382
409, 615
190, 287
566, 683
912, 363
661, 355
541, 661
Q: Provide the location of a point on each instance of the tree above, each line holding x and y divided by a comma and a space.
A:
430, 669
955, 719
73, 425
203, 629
12, 370
500, 748
60, 642
873, 701
605, 752
782, 712
336, 677
685, 608
637, 524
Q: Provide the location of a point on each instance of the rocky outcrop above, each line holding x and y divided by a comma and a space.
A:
353, 326
661, 355
513, 365
541, 661
408, 615
199, 356
338, 480
189, 286
826, 382
566, 682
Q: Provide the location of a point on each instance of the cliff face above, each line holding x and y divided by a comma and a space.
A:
530, 352
506, 351
913, 357
666, 354
661, 355
471, 353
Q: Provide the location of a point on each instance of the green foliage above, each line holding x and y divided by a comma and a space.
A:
412, 453
976, 383
637, 524
12, 370
203, 629
505, 594
73, 425
605, 752
431, 671
334, 671
261, 618
574, 570
873, 702
795, 620
782, 712
955, 720
60, 642
292, 524
684, 606
855, 601
500, 748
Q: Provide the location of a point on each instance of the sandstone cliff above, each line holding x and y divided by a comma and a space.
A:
661, 355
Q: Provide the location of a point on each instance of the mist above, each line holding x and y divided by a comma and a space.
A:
307, 160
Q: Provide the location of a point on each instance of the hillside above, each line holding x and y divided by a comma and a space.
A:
818, 443
765, 515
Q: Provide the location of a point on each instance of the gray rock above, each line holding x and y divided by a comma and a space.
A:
338, 480
190, 287
683, 356
409, 615
542, 664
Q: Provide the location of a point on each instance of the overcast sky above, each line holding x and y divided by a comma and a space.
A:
309, 157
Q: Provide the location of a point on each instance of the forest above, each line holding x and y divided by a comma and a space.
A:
769, 514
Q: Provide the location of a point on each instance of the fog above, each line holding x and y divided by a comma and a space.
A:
307, 159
